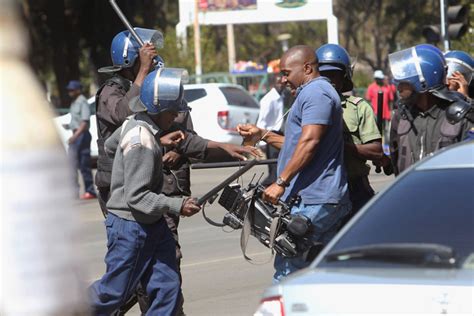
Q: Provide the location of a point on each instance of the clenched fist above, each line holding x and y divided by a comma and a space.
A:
172, 139
190, 207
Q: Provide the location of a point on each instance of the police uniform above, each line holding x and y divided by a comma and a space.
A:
140, 246
177, 178
360, 127
112, 108
416, 134
112, 104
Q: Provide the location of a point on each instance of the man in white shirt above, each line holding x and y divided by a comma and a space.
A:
271, 118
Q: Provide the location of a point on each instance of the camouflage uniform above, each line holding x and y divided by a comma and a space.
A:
360, 127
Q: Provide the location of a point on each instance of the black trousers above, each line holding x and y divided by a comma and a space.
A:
360, 193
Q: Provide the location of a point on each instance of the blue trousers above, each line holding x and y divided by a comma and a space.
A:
137, 253
325, 219
80, 155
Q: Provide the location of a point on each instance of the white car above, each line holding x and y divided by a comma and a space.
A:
217, 108
409, 251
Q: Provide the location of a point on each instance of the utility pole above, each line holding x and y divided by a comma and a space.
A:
444, 33
197, 42
231, 46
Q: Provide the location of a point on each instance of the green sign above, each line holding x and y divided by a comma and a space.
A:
290, 4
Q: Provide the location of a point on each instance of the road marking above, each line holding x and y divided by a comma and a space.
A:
251, 255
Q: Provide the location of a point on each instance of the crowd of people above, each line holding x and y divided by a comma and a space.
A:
433, 110
323, 137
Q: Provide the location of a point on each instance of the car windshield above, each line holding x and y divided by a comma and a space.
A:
236, 96
425, 219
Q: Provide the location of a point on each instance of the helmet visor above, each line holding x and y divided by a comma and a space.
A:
168, 83
151, 36
464, 69
403, 64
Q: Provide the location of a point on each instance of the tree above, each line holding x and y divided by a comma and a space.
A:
371, 29
71, 38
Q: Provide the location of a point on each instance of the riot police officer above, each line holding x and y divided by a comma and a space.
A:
140, 245
429, 117
131, 64
362, 139
460, 71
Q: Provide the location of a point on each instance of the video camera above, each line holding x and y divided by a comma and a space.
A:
273, 226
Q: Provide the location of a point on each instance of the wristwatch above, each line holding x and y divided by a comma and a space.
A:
282, 182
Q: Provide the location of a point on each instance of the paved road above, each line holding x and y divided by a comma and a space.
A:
217, 279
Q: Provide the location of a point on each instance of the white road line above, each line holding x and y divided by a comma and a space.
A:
224, 259
200, 263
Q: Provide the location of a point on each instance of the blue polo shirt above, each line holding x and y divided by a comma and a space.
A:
324, 179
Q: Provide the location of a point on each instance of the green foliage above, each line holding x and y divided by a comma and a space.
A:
361, 79
70, 38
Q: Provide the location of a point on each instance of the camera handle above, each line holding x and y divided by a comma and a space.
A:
227, 181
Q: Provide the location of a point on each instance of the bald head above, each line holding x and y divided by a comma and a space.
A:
302, 54
298, 65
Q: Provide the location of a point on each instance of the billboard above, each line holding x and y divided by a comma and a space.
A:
225, 5
222, 12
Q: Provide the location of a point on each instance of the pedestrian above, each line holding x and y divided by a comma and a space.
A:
388, 97
79, 150
362, 139
310, 164
427, 119
272, 108
460, 71
141, 247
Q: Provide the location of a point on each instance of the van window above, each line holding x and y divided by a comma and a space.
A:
236, 96
194, 94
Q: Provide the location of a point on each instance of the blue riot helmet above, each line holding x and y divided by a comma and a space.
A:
124, 49
422, 68
162, 90
460, 61
335, 57
432, 48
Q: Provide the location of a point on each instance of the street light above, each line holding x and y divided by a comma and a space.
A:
283, 38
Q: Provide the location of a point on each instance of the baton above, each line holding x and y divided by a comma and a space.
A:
380, 111
227, 164
379, 120
125, 22
231, 178
130, 29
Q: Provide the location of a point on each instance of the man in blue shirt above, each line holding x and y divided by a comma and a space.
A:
310, 164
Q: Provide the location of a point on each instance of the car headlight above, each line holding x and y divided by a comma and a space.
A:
271, 306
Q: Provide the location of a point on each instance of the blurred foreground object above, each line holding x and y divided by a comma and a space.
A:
39, 267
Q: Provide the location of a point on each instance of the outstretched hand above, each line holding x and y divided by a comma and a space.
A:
172, 139
239, 152
250, 132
